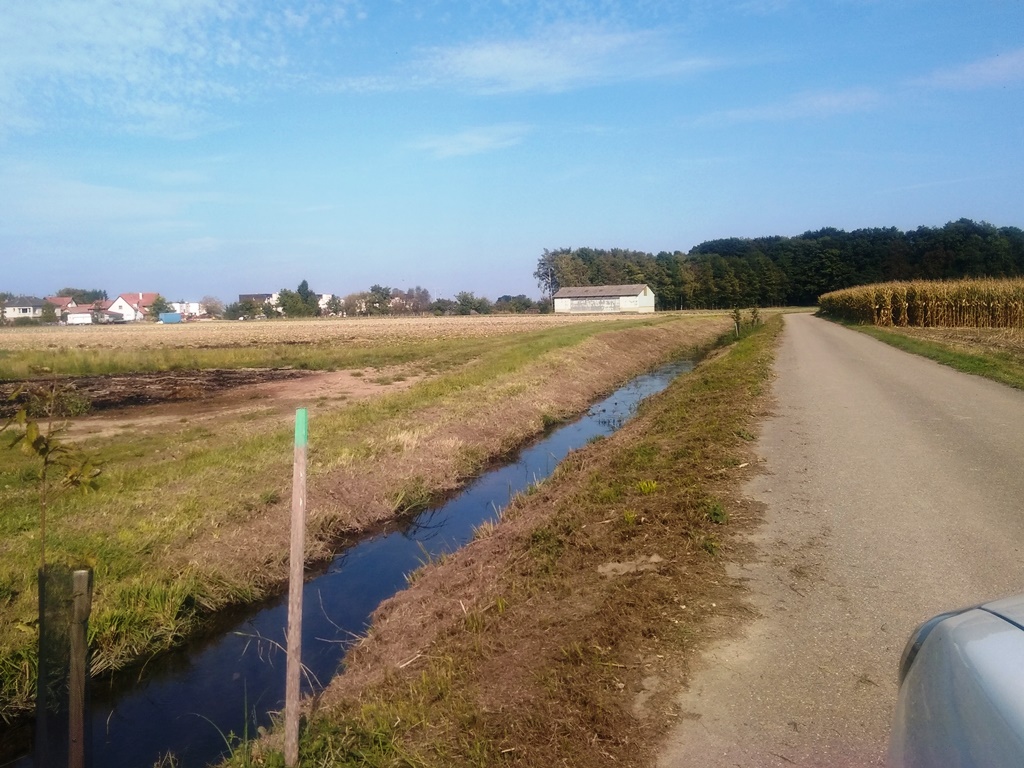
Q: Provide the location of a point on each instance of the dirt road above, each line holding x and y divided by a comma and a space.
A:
893, 490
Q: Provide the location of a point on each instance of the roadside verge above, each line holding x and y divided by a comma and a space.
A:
560, 635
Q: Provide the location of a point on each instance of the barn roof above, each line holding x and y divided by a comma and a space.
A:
600, 291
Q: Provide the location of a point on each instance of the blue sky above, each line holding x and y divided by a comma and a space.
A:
217, 147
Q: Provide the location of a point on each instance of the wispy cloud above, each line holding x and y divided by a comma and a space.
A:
802, 106
560, 59
1001, 70
556, 59
152, 65
474, 141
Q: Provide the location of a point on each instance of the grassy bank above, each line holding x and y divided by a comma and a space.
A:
188, 519
559, 636
994, 354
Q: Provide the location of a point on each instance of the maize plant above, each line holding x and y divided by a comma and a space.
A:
982, 303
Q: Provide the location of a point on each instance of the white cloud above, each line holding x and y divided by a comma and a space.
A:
474, 141
558, 59
148, 65
807, 105
1004, 69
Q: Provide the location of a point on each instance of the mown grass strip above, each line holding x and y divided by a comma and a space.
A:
535, 666
1003, 368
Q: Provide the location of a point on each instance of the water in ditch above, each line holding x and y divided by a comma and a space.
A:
188, 701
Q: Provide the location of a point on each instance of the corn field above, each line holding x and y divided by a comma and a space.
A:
930, 304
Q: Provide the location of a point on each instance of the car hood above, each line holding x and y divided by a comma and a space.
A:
1011, 609
962, 701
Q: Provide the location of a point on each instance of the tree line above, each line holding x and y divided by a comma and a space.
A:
781, 271
378, 300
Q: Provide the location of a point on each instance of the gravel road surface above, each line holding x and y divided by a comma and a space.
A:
893, 490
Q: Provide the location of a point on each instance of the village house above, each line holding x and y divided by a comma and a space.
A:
187, 308
132, 306
22, 307
88, 314
62, 304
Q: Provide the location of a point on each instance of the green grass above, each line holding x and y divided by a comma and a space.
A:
1003, 368
551, 662
313, 357
161, 491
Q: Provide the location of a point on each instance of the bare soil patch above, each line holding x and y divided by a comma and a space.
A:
128, 390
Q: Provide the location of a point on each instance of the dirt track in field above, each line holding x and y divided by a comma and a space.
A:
126, 390
155, 400
892, 492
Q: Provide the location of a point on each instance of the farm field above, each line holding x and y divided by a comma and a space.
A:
191, 513
29, 352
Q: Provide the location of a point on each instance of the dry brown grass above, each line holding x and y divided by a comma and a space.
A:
226, 333
197, 506
1005, 341
519, 650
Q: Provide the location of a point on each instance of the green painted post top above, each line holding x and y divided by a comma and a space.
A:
301, 428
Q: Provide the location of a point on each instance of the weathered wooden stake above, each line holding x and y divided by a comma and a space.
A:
297, 561
81, 592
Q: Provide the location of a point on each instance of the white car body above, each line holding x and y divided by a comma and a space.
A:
961, 699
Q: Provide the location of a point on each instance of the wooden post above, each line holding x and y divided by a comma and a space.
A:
81, 592
296, 563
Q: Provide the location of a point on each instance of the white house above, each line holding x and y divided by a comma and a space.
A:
97, 312
22, 307
187, 308
132, 306
605, 299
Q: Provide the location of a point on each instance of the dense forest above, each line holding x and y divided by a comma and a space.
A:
781, 271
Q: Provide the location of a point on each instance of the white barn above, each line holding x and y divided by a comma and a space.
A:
605, 299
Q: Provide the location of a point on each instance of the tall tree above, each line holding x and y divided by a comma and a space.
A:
378, 302
83, 296
158, 307
335, 305
301, 302
212, 306
355, 304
